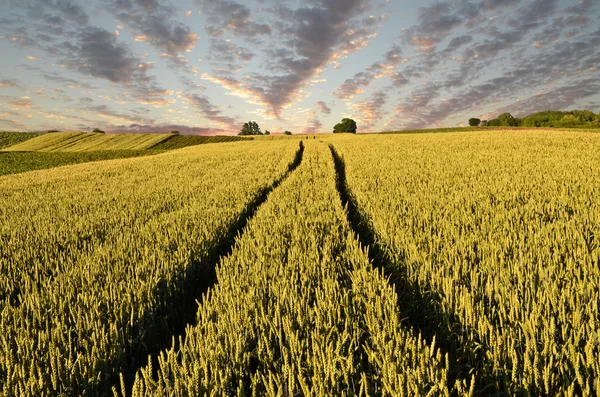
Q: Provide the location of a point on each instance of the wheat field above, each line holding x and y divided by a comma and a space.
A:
443, 264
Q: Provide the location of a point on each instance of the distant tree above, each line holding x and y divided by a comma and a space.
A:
553, 118
267, 132
51, 131
250, 128
549, 118
507, 120
287, 133
584, 116
494, 123
569, 121
347, 125
98, 131
175, 132
484, 123
474, 122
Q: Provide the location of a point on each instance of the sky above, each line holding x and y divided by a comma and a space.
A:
207, 66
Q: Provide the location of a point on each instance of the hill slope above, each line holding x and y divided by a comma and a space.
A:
83, 142
181, 141
12, 138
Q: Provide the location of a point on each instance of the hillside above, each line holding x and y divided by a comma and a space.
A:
8, 139
181, 141
84, 141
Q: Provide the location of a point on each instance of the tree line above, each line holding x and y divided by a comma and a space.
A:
252, 128
548, 118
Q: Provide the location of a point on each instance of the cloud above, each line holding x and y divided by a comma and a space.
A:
165, 128
491, 5
212, 112
97, 53
583, 7
370, 111
437, 22
571, 21
56, 11
490, 48
23, 102
322, 106
384, 68
68, 82
458, 42
308, 39
13, 124
10, 83
105, 112
226, 15
560, 98
313, 127
533, 15
227, 52
563, 69
434, 24
155, 23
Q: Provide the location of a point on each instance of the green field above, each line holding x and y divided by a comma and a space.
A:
443, 264
181, 141
22, 152
17, 162
85, 141
12, 138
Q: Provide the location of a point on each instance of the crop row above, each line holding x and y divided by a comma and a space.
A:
181, 141
17, 162
297, 310
82, 141
12, 138
99, 261
498, 233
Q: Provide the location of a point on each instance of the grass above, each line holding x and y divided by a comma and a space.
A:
483, 129
21, 152
181, 141
83, 141
12, 138
17, 162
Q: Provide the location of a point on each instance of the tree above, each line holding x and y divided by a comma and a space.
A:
98, 131
175, 132
507, 120
347, 125
484, 123
474, 122
251, 128
287, 133
267, 132
494, 123
584, 116
51, 131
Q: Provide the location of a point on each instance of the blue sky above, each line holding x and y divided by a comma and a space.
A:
208, 66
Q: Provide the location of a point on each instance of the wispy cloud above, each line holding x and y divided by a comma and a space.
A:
308, 39
293, 64
212, 112
361, 80
155, 23
165, 128
322, 106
